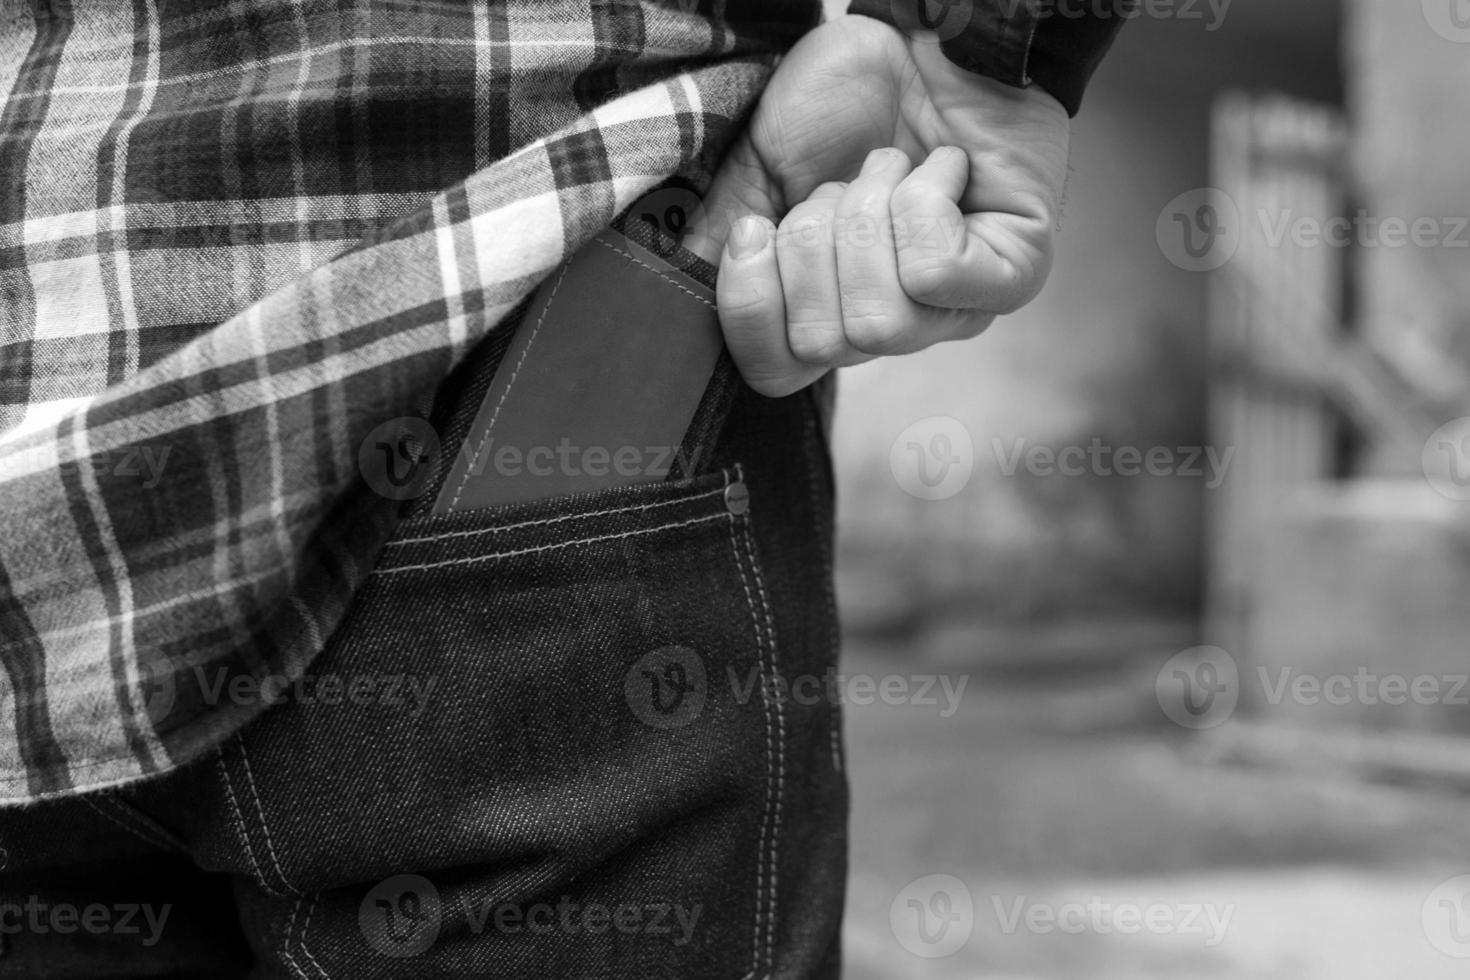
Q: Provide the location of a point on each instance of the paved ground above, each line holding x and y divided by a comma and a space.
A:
1051, 798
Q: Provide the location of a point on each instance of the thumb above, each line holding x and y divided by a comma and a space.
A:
742, 187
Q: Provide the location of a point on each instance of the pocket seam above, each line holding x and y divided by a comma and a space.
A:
472, 559
561, 519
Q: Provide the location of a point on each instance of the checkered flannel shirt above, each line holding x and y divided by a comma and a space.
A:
235, 237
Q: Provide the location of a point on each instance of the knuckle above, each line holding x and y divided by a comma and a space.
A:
817, 343
875, 332
926, 279
744, 302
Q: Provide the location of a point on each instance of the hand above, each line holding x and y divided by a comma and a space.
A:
834, 248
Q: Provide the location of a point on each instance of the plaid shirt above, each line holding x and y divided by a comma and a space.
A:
237, 236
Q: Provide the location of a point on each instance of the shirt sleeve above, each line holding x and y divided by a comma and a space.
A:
1056, 44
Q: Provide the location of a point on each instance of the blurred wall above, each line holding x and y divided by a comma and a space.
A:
1112, 353
1410, 95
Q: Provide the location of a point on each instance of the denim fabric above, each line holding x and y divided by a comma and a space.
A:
552, 740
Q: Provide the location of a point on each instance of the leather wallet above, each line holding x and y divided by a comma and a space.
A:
598, 386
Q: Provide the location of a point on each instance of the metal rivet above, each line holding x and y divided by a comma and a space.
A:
737, 498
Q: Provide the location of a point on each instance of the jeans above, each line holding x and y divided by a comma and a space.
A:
578, 738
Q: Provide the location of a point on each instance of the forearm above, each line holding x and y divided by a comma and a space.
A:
1055, 44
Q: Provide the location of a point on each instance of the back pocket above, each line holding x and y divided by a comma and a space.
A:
588, 731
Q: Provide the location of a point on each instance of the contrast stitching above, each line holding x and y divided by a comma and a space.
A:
762, 852
501, 529
301, 936
549, 547
762, 592
658, 272
270, 847
296, 969
240, 826
520, 361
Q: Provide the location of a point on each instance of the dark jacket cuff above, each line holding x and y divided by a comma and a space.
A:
1056, 44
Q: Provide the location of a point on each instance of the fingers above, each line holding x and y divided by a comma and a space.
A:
826, 289
752, 306
877, 316
994, 261
808, 262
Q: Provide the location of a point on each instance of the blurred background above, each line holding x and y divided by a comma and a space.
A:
1191, 531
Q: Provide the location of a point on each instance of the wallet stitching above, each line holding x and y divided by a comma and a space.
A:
666, 278
479, 449
542, 522
551, 547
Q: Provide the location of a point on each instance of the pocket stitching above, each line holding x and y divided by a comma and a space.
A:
549, 547
775, 752
547, 521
